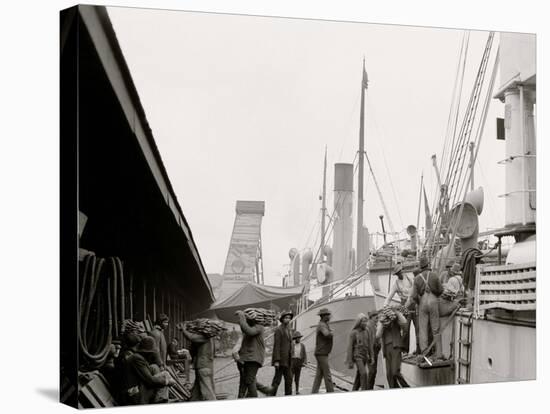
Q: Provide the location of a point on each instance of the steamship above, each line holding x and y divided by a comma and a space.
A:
492, 338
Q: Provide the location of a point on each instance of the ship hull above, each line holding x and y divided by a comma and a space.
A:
344, 313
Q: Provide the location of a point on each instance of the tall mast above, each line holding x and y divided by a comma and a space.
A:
324, 204
361, 157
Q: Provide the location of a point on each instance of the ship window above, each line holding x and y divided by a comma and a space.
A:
490, 363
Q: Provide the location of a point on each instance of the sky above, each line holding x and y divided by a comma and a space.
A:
242, 108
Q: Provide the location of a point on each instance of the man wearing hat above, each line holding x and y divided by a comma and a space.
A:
425, 293
299, 359
143, 382
402, 285
453, 292
282, 353
450, 272
323, 346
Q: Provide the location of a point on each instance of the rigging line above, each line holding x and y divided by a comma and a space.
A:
464, 178
469, 120
453, 104
390, 224
485, 110
313, 229
479, 137
459, 101
460, 89
381, 149
478, 87
311, 209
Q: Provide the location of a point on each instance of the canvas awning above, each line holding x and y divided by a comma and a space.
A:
257, 296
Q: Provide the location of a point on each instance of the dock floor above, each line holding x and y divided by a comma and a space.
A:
227, 379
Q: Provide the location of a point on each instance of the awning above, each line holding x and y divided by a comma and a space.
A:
257, 296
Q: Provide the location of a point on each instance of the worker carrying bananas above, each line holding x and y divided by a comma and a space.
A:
425, 293
402, 285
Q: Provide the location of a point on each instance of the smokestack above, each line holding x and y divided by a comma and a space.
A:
343, 224
411, 231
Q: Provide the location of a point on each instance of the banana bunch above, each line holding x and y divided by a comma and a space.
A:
131, 326
387, 315
262, 316
206, 327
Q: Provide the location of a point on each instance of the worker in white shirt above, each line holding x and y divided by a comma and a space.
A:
402, 285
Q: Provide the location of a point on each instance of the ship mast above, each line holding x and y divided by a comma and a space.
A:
361, 158
324, 205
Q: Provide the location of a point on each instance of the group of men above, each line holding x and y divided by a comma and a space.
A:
139, 368
426, 295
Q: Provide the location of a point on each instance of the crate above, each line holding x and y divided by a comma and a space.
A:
510, 287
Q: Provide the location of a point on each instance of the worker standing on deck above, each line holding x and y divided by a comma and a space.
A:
282, 353
403, 286
453, 292
425, 293
202, 351
299, 359
360, 349
392, 346
323, 347
157, 333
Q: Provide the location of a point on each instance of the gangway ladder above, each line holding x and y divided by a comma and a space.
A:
464, 348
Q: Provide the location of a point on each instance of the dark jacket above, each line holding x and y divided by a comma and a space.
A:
391, 335
323, 339
360, 345
253, 346
160, 341
282, 346
137, 372
202, 350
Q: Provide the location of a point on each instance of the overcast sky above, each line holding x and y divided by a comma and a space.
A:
242, 108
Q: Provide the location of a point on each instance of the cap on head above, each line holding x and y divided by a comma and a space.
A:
455, 268
398, 269
147, 344
324, 311
296, 334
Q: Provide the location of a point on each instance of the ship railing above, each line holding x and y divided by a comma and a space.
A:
509, 287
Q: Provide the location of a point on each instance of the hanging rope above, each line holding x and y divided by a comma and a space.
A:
101, 308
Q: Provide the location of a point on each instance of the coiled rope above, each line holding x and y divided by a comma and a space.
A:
101, 309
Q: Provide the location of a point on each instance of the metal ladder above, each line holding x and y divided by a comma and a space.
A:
464, 351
